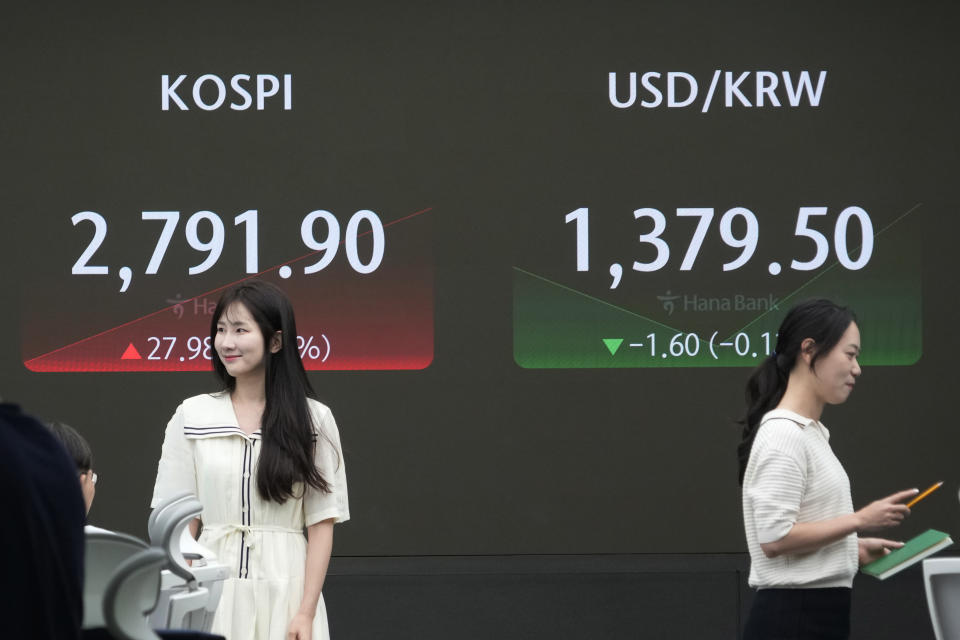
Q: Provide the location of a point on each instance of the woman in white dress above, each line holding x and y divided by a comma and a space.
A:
264, 459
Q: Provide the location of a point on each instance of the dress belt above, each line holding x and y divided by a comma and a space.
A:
215, 531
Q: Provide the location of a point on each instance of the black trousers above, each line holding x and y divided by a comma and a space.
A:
799, 614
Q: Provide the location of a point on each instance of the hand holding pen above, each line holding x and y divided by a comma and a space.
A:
886, 512
923, 495
889, 511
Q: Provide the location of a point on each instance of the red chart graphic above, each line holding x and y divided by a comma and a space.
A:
345, 320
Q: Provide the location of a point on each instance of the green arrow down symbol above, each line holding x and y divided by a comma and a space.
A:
613, 344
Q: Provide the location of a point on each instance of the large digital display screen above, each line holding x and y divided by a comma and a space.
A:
534, 250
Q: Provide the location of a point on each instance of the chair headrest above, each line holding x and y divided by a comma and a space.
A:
132, 593
155, 533
171, 523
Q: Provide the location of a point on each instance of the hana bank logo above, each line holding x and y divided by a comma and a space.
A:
200, 306
695, 303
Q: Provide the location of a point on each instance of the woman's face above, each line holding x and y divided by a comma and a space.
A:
239, 342
837, 371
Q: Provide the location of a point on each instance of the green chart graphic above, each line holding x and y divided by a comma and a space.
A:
556, 326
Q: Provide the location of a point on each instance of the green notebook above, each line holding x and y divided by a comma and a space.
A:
915, 550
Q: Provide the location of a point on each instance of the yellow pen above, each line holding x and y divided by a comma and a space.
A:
925, 494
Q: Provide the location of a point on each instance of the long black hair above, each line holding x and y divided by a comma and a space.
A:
823, 321
286, 426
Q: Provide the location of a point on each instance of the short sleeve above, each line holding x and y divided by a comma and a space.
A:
775, 492
176, 472
328, 456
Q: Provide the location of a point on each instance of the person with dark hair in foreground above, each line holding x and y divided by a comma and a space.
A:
263, 456
41, 585
797, 510
78, 448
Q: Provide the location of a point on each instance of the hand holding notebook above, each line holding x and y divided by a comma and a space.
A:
912, 552
872, 549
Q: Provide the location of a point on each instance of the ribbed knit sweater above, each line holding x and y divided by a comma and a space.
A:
793, 476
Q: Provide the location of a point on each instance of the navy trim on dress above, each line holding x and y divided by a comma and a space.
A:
253, 446
210, 431
243, 506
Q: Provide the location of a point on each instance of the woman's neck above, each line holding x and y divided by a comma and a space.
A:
250, 390
800, 399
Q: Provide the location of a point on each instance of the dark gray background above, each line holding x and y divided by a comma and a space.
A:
496, 115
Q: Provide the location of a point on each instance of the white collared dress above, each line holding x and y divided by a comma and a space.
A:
206, 453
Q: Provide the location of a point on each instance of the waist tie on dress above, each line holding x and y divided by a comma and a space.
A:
215, 531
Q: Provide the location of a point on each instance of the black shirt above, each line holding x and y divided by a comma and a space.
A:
41, 579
